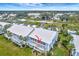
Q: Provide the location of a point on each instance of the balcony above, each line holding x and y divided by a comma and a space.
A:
36, 45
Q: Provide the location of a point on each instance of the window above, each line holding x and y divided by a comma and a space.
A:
77, 53
43, 43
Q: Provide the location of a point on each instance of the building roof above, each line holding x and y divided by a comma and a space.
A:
35, 14
20, 30
22, 19
4, 23
46, 35
71, 32
76, 42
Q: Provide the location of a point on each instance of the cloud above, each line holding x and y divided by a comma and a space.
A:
39, 6
30, 4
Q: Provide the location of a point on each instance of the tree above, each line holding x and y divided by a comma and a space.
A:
64, 26
46, 15
73, 18
65, 38
37, 23
77, 32
6, 27
46, 26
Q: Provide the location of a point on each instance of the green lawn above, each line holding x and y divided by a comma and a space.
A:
7, 48
60, 52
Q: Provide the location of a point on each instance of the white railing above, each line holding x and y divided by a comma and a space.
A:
36, 44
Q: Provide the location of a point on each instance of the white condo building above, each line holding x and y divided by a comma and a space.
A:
37, 38
42, 39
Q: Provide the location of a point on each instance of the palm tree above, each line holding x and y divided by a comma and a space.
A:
69, 48
65, 39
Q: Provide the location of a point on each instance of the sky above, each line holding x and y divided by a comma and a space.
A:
40, 6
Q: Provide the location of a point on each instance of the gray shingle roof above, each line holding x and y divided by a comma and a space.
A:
46, 35
20, 30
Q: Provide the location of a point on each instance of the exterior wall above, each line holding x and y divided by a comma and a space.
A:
15, 38
33, 43
1, 30
74, 50
75, 53
8, 35
53, 42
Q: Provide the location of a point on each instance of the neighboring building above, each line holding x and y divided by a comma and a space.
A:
2, 26
57, 16
18, 34
13, 15
1, 17
75, 50
71, 32
75, 42
22, 20
34, 26
35, 15
42, 40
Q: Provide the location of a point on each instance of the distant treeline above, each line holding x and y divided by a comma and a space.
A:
38, 11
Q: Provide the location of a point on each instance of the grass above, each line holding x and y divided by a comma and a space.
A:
60, 52
7, 48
